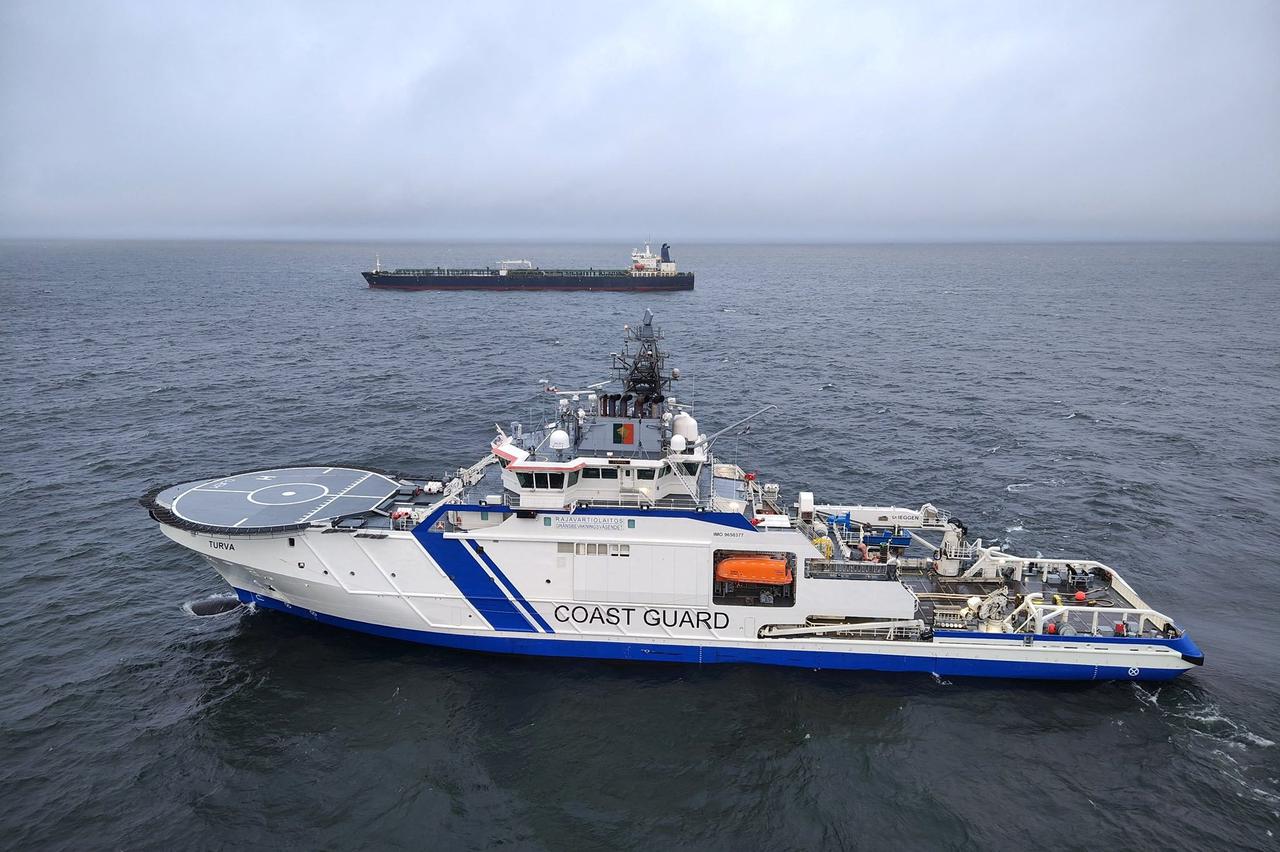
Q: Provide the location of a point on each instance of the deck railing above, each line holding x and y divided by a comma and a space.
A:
624, 500
1034, 616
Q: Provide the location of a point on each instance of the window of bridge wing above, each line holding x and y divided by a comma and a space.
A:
554, 481
750, 578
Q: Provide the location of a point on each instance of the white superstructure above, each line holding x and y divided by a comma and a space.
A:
647, 263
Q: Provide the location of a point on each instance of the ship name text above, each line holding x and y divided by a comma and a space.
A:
625, 616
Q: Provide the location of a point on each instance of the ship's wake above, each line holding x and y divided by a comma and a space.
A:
1231, 747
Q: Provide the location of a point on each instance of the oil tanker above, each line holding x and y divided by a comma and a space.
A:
648, 272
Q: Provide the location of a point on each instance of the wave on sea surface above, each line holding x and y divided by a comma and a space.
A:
1229, 741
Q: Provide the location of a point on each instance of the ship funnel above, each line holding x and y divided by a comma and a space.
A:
666, 252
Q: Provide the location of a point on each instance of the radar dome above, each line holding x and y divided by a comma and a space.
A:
560, 440
685, 426
678, 443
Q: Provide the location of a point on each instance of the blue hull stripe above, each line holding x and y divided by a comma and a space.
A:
510, 587
476, 585
727, 519
1183, 644
591, 649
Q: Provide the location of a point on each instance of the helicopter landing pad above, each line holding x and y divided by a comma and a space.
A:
278, 497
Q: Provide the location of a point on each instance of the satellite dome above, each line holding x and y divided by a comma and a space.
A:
685, 426
560, 440
678, 443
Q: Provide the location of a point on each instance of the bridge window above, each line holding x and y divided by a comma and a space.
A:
548, 480
591, 473
573, 478
608, 473
646, 473
525, 479
690, 468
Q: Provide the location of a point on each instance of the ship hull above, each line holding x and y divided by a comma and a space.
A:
1009, 661
593, 281
485, 577
267, 586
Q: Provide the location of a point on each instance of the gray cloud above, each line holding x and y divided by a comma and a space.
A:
841, 121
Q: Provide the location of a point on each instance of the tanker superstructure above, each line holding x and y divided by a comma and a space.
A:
613, 528
648, 272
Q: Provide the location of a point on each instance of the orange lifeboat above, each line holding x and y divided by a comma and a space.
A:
768, 570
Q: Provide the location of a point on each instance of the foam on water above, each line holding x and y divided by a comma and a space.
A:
1230, 743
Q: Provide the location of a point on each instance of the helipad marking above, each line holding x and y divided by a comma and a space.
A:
325, 492
281, 499
341, 493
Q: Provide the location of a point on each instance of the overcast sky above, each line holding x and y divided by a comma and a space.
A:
683, 120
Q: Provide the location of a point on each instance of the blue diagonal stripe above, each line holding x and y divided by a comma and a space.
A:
470, 578
515, 593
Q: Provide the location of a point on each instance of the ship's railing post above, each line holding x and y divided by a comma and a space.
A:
1044, 613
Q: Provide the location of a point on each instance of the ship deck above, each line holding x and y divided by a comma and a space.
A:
271, 500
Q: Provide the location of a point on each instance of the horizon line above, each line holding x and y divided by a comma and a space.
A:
597, 240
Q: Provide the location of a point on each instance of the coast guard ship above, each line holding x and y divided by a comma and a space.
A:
611, 529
